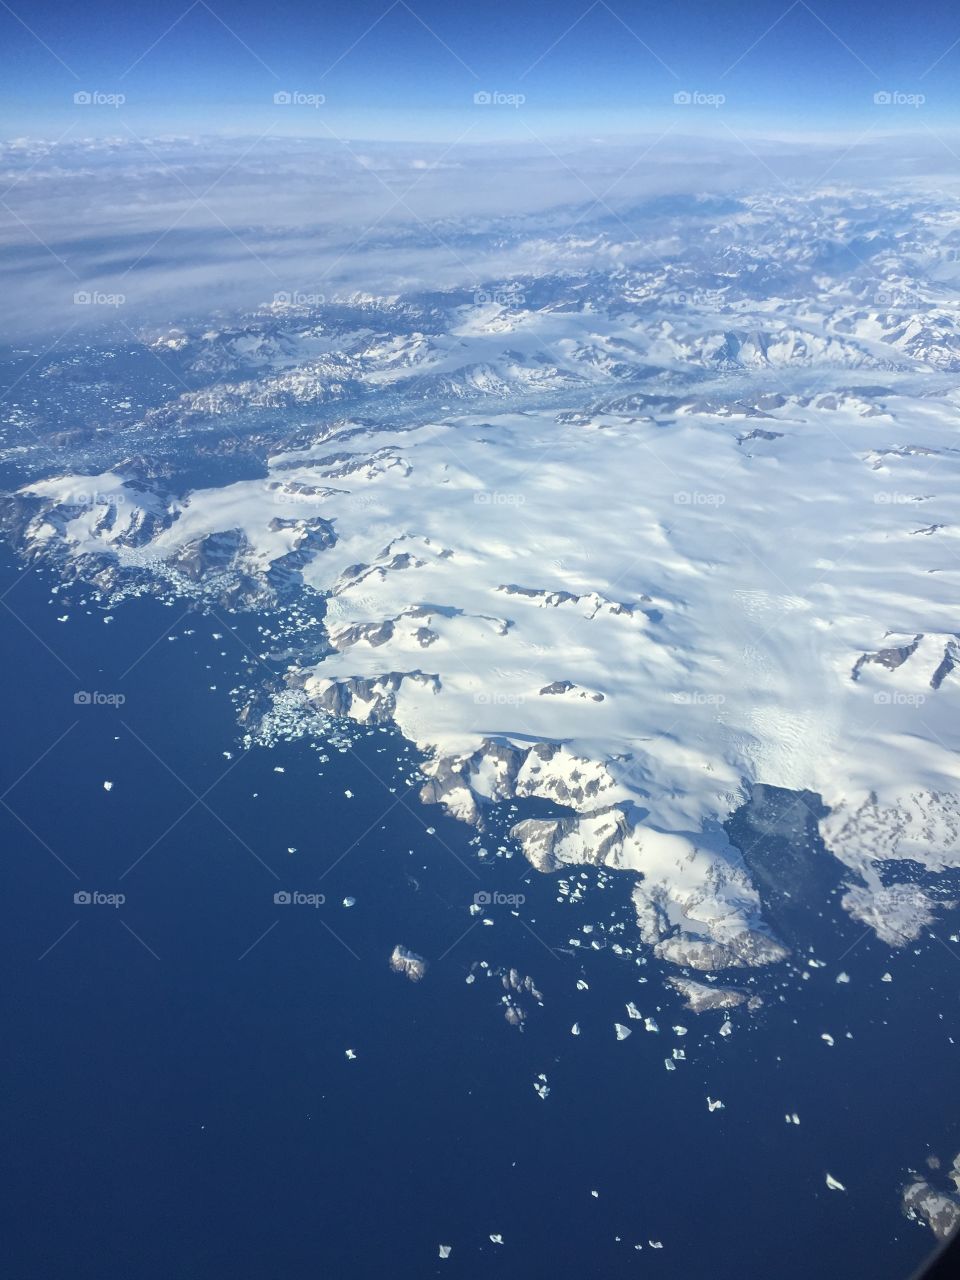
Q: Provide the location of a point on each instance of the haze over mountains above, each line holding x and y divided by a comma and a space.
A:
659, 518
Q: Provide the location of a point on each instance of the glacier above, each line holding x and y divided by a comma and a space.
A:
630, 539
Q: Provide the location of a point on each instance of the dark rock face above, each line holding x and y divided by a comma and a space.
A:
759, 434
889, 658
16, 512
778, 836
558, 686
407, 962
567, 686
453, 775
896, 656
315, 534
938, 1206
212, 554
540, 837
377, 691
309, 538
144, 527
951, 660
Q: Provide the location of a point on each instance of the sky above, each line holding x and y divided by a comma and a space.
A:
173, 151
390, 69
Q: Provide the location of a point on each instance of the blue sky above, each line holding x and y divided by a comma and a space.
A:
398, 70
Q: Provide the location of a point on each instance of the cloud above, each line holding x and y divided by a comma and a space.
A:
178, 223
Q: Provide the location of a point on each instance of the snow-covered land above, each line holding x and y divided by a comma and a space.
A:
623, 541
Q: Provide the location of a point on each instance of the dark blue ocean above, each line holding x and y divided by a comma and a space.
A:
177, 1098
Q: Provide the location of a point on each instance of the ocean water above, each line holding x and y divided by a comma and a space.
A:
178, 1101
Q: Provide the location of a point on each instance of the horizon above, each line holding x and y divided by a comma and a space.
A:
401, 71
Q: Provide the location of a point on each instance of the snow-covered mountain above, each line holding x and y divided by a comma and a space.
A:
628, 542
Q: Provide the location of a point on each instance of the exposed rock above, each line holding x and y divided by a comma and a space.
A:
950, 662
747, 949
759, 434
937, 1208
542, 838
561, 687
898, 913
889, 658
214, 553
407, 962
369, 699
700, 998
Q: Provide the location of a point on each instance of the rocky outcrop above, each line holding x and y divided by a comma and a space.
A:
371, 699
545, 840
897, 913
747, 949
212, 554
890, 658
701, 998
936, 1207
564, 688
407, 962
